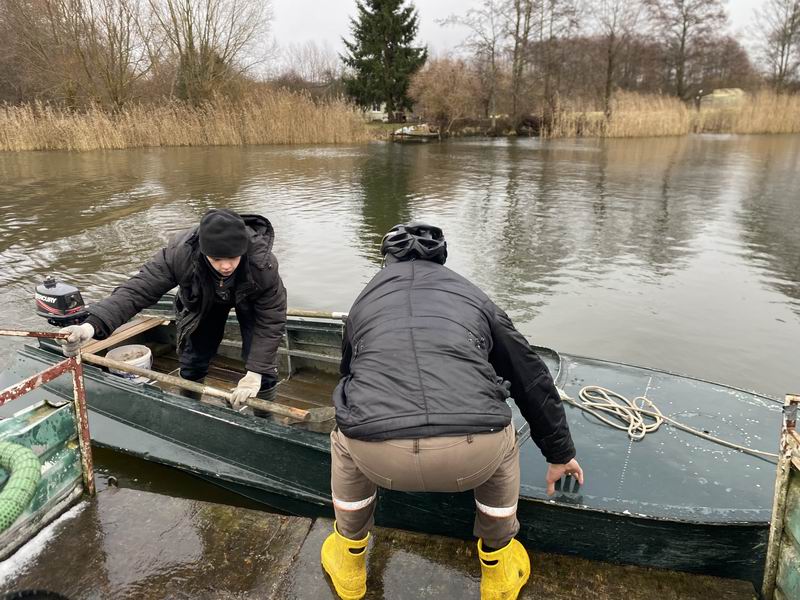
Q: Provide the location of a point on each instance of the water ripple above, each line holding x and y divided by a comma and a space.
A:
678, 251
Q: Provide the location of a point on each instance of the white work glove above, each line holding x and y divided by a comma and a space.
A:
78, 336
248, 387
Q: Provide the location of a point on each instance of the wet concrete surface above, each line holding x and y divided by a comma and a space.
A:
404, 565
132, 544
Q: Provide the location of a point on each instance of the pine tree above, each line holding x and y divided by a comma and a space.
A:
381, 54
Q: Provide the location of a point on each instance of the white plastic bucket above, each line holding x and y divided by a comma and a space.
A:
135, 355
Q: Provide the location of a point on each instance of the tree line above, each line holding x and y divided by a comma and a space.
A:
519, 57
540, 56
110, 52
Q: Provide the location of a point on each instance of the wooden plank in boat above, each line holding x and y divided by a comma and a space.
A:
130, 329
296, 402
299, 388
170, 364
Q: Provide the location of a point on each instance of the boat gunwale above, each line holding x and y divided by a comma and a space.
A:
643, 517
166, 301
562, 356
149, 390
315, 441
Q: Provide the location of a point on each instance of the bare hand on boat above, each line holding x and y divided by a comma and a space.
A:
556, 472
248, 387
78, 336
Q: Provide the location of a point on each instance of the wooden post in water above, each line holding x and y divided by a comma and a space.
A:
782, 569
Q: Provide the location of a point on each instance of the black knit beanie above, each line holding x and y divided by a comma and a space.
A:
223, 234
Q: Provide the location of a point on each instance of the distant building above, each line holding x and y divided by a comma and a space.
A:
376, 112
722, 98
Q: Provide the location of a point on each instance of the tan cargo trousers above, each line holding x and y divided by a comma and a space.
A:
487, 463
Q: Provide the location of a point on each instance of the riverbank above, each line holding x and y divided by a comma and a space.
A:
638, 115
116, 545
280, 117
271, 117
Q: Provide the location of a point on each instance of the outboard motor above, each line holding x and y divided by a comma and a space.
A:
60, 303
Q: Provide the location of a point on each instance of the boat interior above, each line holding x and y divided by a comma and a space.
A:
308, 360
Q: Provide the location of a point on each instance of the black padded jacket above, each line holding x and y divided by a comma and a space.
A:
259, 295
422, 352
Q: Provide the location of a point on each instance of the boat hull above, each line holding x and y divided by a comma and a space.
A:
289, 469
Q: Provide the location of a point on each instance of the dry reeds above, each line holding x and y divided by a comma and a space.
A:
271, 117
638, 115
632, 115
763, 112
284, 117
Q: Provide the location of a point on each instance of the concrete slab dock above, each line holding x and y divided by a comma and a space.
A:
131, 544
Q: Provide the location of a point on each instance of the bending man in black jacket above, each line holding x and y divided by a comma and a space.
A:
225, 262
421, 407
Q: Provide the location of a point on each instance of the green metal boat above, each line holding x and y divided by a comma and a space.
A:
672, 500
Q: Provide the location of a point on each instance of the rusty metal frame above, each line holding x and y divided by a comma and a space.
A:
789, 454
74, 366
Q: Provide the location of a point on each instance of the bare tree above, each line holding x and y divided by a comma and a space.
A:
485, 44
105, 36
444, 91
78, 51
210, 40
314, 63
309, 68
682, 24
778, 26
640, 66
721, 62
519, 25
39, 45
11, 84
616, 22
557, 21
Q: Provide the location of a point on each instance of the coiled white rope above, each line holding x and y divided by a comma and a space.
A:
639, 416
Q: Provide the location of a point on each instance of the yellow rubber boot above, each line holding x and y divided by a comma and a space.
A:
504, 571
347, 570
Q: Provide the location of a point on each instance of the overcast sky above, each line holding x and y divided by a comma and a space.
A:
326, 21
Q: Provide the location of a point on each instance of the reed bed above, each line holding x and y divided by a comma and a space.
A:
284, 117
763, 112
274, 117
632, 115
638, 115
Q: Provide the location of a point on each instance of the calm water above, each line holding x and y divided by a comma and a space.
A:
682, 254
678, 253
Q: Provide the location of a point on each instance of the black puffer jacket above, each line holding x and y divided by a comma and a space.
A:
422, 351
259, 293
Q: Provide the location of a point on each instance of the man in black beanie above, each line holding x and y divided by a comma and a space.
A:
225, 262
